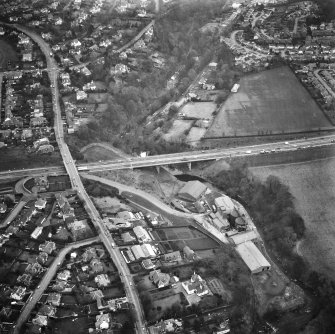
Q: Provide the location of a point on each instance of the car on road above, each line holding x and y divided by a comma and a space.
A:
248, 152
332, 141
286, 143
38, 286
262, 151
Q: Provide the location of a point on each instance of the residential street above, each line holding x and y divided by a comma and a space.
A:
49, 274
71, 169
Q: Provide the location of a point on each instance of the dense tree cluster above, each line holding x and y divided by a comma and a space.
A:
134, 96
271, 206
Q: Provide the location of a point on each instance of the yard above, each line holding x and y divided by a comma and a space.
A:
178, 128
199, 110
270, 102
195, 135
313, 186
161, 305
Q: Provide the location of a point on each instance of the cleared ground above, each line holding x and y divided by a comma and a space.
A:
97, 153
269, 102
313, 186
178, 128
200, 110
195, 135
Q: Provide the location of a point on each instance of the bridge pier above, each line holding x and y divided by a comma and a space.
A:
189, 165
158, 169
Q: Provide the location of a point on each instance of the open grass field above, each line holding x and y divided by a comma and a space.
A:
199, 110
270, 102
97, 153
178, 128
194, 136
313, 186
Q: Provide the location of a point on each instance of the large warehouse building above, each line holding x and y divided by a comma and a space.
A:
192, 191
253, 257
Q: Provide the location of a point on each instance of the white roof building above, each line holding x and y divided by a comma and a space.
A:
243, 237
148, 250
224, 204
138, 252
141, 234
36, 233
253, 257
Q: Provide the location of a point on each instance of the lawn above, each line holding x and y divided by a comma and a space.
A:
195, 135
270, 102
178, 128
97, 153
199, 110
162, 305
313, 186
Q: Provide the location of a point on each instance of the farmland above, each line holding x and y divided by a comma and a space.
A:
271, 102
179, 237
312, 184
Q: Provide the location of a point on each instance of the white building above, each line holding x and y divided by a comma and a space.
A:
138, 252
141, 234
253, 257
148, 250
37, 232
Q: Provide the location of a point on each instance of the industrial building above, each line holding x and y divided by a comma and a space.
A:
239, 238
225, 205
253, 257
141, 234
192, 191
148, 250
138, 252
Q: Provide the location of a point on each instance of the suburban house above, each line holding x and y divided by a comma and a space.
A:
195, 285
159, 279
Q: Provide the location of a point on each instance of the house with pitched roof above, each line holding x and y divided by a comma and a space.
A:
196, 285
159, 279
47, 247
54, 299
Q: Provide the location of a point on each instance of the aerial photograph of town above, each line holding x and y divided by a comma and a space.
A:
167, 166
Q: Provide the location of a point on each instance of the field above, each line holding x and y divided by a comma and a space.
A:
179, 237
178, 128
199, 110
195, 135
270, 102
97, 153
313, 186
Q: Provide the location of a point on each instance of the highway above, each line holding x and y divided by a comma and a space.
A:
207, 155
177, 158
72, 171
49, 274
